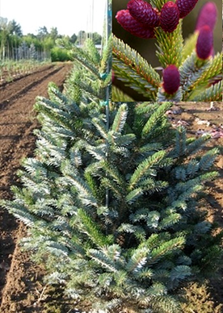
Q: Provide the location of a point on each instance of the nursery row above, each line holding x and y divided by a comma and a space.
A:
10, 70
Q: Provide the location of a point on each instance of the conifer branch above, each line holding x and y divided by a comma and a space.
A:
154, 118
131, 78
137, 261
107, 257
130, 67
120, 119
213, 93
144, 167
75, 180
133, 195
53, 111
114, 173
165, 43
137, 230
98, 152
208, 159
119, 96
214, 69
92, 183
189, 46
84, 59
164, 249
112, 186
91, 50
91, 93
195, 144
89, 227
101, 127
20, 212
190, 71
106, 56
170, 220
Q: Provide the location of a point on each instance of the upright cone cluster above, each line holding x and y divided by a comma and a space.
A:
141, 18
205, 25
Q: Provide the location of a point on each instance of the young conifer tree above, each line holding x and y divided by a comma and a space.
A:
191, 71
112, 204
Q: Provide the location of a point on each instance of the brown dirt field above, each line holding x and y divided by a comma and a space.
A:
22, 289
17, 122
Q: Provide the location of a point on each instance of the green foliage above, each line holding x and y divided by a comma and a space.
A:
91, 75
59, 55
189, 45
116, 202
120, 96
134, 70
165, 43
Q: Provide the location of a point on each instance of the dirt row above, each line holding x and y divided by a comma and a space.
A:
17, 122
12, 90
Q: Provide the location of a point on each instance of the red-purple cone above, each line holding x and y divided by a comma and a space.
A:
207, 16
113, 76
143, 12
130, 24
169, 17
185, 6
171, 79
204, 42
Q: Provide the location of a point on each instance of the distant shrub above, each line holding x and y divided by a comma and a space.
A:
59, 54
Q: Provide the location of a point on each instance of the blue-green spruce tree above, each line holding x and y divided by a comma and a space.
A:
113, 208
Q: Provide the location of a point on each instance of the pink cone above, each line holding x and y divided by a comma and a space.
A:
185, 6
171, 79
113, 76
169, 16
204, 44
125, 19
143, 12
207, 16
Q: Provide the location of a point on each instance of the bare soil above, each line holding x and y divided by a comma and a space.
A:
22, 289
17, 122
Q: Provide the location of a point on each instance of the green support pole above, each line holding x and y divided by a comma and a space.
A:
108, 32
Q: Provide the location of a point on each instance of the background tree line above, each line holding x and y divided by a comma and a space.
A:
14, 45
